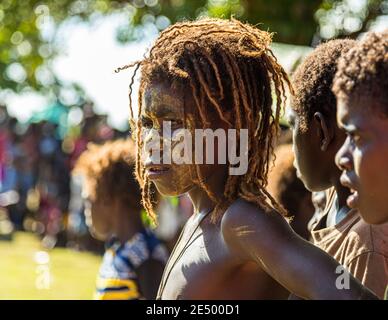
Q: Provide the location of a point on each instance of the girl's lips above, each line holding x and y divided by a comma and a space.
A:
352, 200
156, 171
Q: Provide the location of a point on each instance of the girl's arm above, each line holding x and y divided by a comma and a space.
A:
302, 268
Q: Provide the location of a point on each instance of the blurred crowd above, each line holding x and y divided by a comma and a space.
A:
36, 189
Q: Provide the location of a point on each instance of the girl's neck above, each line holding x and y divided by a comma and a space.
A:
202, 202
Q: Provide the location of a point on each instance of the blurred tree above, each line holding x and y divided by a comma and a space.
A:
349, 18
28, 27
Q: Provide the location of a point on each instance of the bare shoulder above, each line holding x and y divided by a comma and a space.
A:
243, 214
245, 224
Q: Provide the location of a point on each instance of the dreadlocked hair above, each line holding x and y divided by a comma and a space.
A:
228, 67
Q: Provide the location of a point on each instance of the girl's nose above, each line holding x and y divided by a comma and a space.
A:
153, 144
343, 158
151, 136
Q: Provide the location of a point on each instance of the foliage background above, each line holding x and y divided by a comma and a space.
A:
28, 27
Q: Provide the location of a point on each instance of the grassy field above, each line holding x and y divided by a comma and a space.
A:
27, 271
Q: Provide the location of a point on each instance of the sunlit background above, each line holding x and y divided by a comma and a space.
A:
57, 61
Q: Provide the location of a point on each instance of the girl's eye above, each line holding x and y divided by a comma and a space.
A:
354, 138
146, 123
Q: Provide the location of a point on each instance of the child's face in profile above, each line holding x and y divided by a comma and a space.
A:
305, 151
364, 156
163, 102
315, 148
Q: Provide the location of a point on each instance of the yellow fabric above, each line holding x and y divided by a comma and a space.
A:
114, 283
113, 295
131, 292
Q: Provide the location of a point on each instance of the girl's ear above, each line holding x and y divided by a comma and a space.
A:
325, 131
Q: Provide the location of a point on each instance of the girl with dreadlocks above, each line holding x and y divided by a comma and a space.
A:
212, 74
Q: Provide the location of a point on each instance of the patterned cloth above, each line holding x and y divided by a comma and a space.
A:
117, 279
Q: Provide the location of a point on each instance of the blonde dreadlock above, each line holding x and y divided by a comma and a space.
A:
228, 66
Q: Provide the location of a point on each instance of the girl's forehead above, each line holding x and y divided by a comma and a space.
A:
164, 98
159, 93
162, 105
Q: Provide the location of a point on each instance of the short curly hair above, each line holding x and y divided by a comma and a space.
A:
364, 70
108, 172
313, 80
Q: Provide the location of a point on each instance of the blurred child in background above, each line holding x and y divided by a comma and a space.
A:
134, 259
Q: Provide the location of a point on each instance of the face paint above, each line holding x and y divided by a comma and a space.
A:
164, 104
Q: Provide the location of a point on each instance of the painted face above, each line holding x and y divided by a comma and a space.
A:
163, 102
363, 156
305, 149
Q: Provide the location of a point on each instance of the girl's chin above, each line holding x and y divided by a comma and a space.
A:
168, 191
352, 200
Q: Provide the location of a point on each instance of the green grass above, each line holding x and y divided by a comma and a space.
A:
72, 274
